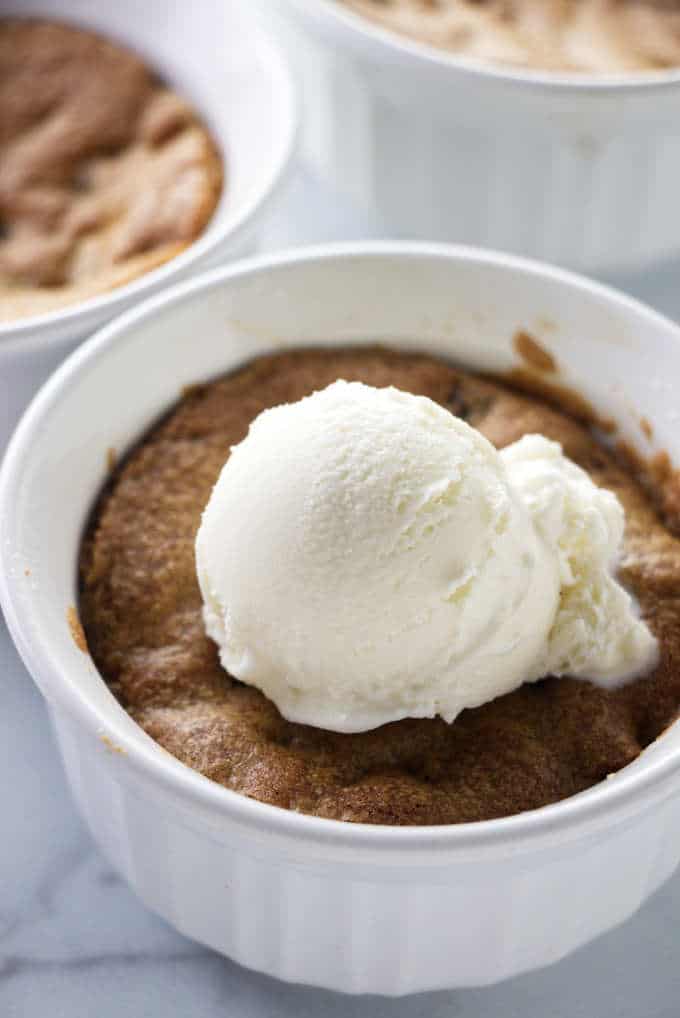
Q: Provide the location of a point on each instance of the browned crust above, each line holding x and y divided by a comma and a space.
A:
105, 175
141, 610
598, 36
533, 353
76, 629
646, 428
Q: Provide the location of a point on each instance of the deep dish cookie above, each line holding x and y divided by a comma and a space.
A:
603, 36
105, 172
142, 613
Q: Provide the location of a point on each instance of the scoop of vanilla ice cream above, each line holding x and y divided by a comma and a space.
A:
596, 633
365, 556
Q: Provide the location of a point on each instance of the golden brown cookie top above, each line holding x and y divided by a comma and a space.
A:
602, 36
142, 613
105, 172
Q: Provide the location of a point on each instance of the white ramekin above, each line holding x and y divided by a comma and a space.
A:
356, 908
242, 85
578, 170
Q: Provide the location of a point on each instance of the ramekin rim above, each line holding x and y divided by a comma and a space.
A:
404, 47
600, 804
35, 329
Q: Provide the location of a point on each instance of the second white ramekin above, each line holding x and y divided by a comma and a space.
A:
579, 170
241, 84
351, 907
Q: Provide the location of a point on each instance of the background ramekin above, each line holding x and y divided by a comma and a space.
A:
578, 170
240, 82
351, 907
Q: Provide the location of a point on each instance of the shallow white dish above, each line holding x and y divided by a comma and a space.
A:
350, 907
577, 169
240, 82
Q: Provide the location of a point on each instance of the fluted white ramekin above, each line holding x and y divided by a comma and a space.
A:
352, 907
241, 84
576, 169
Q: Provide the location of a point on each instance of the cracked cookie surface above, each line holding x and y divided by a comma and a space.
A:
105, 172
141, 610
602, 36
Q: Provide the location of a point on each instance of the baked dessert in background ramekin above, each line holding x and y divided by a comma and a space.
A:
238, 84
361, 907
575, 167
106, 173
597, 36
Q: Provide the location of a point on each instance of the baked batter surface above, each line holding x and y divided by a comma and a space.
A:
105, 173
602, 36
141, 610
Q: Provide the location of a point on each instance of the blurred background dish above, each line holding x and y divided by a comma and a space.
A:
106, 172
236, 79
576, 168
600, 36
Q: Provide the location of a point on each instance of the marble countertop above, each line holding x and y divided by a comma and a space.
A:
75, 942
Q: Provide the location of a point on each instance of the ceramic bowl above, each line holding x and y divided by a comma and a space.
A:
351, 907
240, 82
576, 169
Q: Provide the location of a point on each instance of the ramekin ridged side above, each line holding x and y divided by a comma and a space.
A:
575, 170
364, 928
351, 907
240, 82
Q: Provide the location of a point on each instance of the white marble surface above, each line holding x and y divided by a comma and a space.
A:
75, 943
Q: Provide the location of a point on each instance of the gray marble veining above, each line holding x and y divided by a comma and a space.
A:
74, 941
